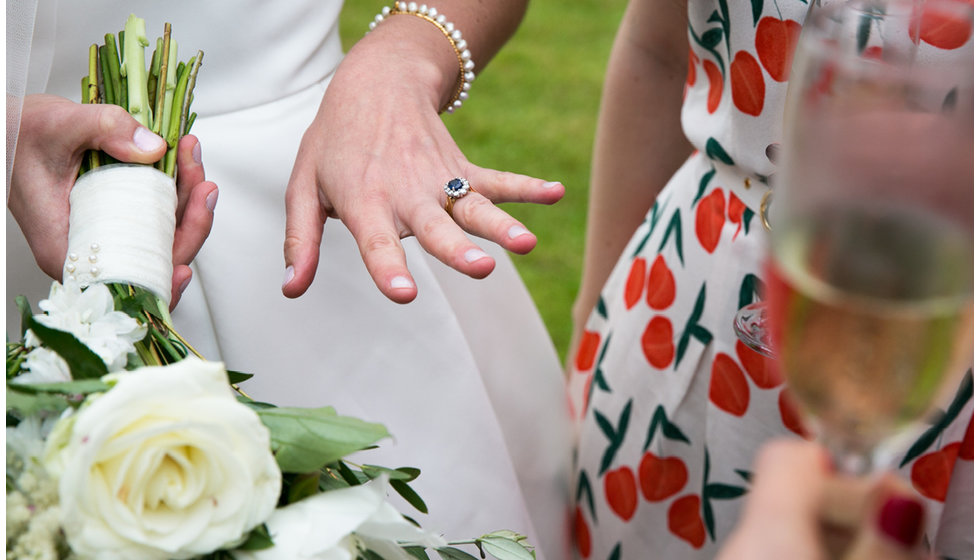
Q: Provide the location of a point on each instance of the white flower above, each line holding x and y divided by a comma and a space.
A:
333, 525
90, 316
166, 464
44, 365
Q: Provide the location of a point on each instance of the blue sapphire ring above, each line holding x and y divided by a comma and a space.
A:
456, 188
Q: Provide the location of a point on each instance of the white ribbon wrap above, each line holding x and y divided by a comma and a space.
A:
121, 228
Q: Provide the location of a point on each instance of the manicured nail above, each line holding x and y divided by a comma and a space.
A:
212, 200
517, 231
196, 153
146, 141
474, 255
550, 185
289, 275
184, 284
400, 282
901, 519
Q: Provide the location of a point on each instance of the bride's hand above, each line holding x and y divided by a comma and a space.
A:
53, 137
377, 156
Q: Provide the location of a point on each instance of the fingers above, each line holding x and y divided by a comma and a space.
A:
893, 523
780, 516
181, 278
304, 230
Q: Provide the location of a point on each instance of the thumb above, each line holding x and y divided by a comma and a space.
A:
111, 129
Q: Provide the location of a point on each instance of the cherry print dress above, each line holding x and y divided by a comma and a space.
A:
671, 407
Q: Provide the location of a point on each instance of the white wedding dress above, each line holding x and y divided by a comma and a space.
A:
465, 377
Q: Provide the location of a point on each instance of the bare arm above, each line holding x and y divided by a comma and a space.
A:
377, 155
639, 142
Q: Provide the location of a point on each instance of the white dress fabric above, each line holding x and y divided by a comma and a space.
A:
465, 377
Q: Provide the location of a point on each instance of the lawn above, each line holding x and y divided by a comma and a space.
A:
533, 111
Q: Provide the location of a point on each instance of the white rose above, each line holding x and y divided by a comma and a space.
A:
166, 464
334, 524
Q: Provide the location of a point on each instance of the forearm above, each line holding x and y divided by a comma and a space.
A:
639, 141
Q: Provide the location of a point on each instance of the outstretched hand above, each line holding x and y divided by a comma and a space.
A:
799, 509
377, 156
54, 136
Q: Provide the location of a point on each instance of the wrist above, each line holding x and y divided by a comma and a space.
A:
422, 50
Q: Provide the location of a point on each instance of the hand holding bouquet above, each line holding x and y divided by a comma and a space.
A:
123, 442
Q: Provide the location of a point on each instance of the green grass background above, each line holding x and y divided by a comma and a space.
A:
533, 111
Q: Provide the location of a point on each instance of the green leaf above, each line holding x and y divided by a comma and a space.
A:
82, 387
416, 552
83, 362
406, 474
703, 185
585, 488
236, 377
26, 314
304, 440
368, 554
352, 478
301, 486
505, 549
925, 441
674, 227
722, 491
616, 552
714, 151
453, 553
711, 37
756, 11
258, 539
28, 404
406, 491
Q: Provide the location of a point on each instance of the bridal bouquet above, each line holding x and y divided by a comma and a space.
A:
122, 442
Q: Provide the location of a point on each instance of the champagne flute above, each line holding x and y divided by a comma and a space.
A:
870, 276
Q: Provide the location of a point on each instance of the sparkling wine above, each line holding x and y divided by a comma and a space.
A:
872, 316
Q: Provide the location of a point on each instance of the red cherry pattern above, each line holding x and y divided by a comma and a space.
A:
709, 218
789, 411
944, 28
729, 390
762, 370
748, 85
661, 477
931, 472
658, 342
620, 486
966, 450
634, 282
684, 520
716, 85
583, 539
775, 42
587, 350
661, 288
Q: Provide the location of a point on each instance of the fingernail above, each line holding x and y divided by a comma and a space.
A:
146, 141
184, 284
400, 282
212, 200
474, 255
517, 231
550, 185
196, 153
289, 275
901, 519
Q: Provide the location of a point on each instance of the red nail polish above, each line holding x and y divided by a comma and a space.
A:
901, 519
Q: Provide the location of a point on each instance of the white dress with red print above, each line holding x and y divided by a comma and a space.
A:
671, 407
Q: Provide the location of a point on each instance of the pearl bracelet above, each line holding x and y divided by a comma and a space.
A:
456, 41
